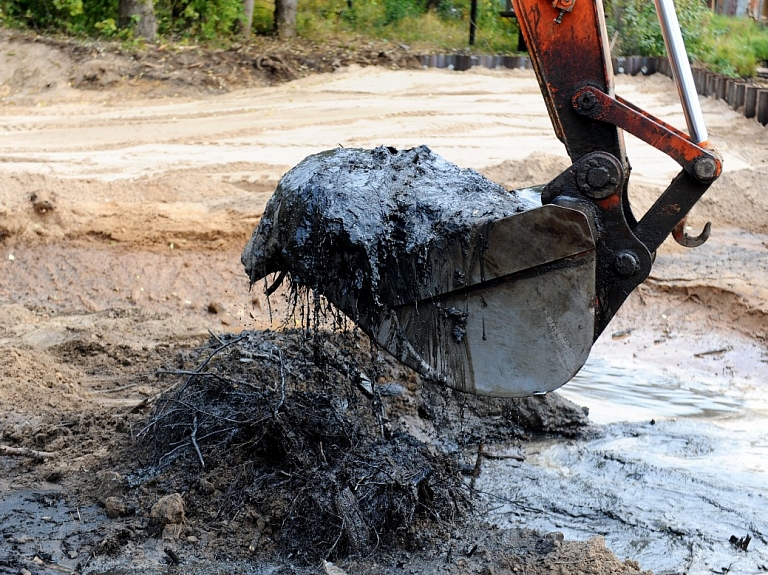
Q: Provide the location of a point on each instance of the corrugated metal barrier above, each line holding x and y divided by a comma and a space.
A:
742, 95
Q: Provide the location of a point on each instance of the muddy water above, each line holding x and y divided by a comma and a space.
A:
39, 531
679, 464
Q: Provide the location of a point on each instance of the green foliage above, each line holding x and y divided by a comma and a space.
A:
441, 24
198, 19
263, 16
396, 10
635, 25
759, 45
107, 27
195, 19
71, 7
733, 46
494, 33
728, 45
736, 45
70, 16
432, 24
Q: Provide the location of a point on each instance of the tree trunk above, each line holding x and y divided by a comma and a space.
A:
285, 18
247, 21
472, 22
141, 15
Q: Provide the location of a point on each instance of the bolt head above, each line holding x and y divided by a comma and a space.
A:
598, 177
705, 169
626, 264
586, 101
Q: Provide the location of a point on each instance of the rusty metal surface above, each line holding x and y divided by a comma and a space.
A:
623, 262
684, 239
653, 131
566, 56
570, 56
669, 210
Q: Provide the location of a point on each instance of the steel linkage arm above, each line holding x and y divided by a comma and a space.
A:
701, 166
702, 163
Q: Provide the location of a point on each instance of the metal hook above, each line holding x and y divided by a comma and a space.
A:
682, 237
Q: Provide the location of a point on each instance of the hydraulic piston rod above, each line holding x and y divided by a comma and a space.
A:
681, 70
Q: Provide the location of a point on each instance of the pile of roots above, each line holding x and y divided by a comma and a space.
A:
291, 426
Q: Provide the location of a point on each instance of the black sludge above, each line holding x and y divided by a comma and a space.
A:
357, 225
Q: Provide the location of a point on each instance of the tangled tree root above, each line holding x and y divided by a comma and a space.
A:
288, 426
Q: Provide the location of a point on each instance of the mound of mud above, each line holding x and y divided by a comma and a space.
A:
356, 224
324, 447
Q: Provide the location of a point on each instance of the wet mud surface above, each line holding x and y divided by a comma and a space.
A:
38, 527
670, 492
285, 449
122, 220
365, 219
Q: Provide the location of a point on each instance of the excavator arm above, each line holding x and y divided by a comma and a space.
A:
568, 45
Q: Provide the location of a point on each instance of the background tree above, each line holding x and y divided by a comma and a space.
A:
139, 14
285, 18
246, 23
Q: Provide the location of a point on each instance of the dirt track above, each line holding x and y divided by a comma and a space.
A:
122, 219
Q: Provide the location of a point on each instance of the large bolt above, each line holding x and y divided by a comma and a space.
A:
626, 264
705, 169
598, 177
586, 100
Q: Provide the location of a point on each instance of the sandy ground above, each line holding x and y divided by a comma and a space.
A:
122, 218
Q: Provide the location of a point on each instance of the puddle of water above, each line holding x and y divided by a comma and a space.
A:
622, 389
669, 494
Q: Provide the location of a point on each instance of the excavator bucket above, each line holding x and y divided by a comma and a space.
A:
484, 289
490, 291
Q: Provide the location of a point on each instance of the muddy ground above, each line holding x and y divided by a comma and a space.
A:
129, 184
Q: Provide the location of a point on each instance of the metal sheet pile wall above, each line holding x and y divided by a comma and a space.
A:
744, 96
